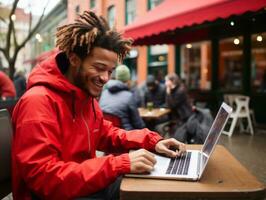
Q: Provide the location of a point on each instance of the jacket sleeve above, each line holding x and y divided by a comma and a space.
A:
114, 139
37, 153
174, 99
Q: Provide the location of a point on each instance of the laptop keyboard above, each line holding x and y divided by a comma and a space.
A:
179, 165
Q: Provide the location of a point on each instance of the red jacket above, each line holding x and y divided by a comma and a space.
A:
57, 129
7, 87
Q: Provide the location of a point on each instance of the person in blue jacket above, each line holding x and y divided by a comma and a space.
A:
118, 100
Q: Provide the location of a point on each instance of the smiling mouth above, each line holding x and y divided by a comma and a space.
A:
99, 85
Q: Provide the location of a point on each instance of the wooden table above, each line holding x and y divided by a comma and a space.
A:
156, 113
224, 178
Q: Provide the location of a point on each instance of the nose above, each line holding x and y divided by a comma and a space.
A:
104, 77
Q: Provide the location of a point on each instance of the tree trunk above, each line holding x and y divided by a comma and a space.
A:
11, 68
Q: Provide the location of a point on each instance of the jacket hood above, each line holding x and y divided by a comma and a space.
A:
48, 74
116, 86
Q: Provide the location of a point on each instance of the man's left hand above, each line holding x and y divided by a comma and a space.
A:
170, 147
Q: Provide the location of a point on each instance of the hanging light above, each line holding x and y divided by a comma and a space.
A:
13, 17
189, 46
259, 38
236, 41
232, 23
38, 37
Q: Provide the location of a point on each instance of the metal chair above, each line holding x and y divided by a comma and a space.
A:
5, 153
240, 103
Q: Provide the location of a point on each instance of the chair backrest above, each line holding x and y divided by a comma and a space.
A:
5, 153
112, 118
242, 104
8, 104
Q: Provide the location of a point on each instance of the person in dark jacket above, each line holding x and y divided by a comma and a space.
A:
20, 83
118, 100
177, 98
154, 92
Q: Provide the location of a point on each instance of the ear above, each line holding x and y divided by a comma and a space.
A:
74, 60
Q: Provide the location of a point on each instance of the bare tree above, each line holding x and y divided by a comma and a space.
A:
12, 47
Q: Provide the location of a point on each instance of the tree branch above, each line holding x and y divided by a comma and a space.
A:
11, 23
2, 50
14, 36
30, 22
2, 19
31, 32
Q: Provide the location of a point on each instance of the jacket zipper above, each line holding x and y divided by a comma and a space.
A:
86, 124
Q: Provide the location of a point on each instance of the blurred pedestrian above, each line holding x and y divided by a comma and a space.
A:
177, 98
58, 125
154, 92
118, 100
20, 82
7, 88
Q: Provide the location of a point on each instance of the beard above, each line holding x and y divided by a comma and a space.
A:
84, 83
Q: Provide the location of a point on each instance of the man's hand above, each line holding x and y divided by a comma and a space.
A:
166, 146
141, 161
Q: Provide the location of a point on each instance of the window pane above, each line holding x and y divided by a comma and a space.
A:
111, 16
154, 3
158, 60
130, 11
196, 65
77, 9
258, 62
92, 4
230, 64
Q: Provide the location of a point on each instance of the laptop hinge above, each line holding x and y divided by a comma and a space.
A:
199, 163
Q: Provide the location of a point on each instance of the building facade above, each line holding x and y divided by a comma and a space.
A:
44, 39
158, 59
21, 24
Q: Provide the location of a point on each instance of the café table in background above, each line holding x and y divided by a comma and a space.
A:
155, 113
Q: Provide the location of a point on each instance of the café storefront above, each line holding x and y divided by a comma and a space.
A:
220, 46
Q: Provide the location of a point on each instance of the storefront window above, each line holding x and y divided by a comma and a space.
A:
196, 65
157, 59
111, 16
92, 4
130, 11
231, 64
258, 62
153, 3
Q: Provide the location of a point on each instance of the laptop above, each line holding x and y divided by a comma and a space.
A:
191, 165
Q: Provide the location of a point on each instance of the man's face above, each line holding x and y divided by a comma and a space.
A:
151, 86
95, 71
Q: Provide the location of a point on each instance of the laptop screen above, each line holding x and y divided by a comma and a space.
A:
214, 133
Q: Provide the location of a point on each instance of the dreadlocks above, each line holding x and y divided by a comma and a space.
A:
91, 31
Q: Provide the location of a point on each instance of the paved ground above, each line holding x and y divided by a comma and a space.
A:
249, 150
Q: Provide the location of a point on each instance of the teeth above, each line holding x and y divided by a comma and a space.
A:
99, 85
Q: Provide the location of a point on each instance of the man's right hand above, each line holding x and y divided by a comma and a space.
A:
141, 161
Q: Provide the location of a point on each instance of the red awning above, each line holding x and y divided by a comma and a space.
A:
173, 14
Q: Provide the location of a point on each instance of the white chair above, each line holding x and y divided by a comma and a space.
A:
240, 112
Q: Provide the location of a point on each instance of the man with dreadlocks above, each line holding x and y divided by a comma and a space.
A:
58, 124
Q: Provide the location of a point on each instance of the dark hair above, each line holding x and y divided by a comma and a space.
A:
91, 31
174, 78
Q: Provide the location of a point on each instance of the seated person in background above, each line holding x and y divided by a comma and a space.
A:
7, 88
117, 100
20, 82
138, 94
58, 124
155, 92
177, 98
